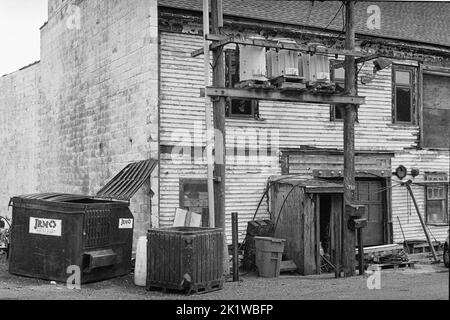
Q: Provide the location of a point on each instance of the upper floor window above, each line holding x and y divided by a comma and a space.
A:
403, 92
436, 199
435, 131
237, 108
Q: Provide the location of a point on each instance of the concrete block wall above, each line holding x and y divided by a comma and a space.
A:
18, 134
96, 101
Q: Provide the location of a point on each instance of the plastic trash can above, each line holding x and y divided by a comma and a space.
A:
269, 252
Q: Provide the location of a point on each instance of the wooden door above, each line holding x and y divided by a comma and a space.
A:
371, 195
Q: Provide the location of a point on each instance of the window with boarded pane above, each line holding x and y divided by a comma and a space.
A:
436, 198
403, 91
237, 108
194, 197
436, 111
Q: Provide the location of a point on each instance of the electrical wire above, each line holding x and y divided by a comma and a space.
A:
388, 187
340, 8
268, 187
307, 21
284, 202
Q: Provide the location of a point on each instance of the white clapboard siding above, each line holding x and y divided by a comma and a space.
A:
290, 125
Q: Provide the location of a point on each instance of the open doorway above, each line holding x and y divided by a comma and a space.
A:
325, 223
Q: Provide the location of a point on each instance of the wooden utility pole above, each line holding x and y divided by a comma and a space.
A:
208, 117
219, 127
349, 236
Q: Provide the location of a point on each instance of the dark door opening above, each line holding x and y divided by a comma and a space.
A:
325, 223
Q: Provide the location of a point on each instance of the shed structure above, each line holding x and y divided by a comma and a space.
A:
308, 214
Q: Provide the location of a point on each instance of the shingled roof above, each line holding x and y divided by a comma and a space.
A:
425, 22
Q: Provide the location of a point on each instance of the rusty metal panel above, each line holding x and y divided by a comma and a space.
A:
124, 185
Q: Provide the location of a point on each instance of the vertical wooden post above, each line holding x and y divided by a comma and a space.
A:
349, 236
219, 128
361, 251
208, 117
235, 237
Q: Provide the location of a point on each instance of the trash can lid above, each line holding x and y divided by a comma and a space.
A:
125, 184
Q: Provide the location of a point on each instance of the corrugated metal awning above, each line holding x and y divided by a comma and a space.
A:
124, 185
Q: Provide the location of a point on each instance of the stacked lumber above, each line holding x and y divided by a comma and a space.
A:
392, 254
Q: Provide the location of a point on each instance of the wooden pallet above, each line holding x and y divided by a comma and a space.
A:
199, 288
321, 87
384, 266
288, 266
253, 84
421, 247
289, 82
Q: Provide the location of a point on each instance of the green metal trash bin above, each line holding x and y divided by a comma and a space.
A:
269, 252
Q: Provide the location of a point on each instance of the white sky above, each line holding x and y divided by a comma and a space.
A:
20, 21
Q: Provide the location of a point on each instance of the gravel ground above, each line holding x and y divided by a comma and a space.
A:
425, 282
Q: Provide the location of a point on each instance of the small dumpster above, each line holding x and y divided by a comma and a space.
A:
185, 259
52, 232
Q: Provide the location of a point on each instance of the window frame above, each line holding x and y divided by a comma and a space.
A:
413, 70
195, 181
427, 70
440, 179
229, 83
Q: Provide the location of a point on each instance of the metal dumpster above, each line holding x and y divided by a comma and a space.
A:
52, 232
185, 259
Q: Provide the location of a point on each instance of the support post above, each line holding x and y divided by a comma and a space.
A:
408, 186
219, 129
235, 236
360, 251
208, 117
349, 236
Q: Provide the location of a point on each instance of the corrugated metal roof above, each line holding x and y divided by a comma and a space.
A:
124, 185
310, 185
426, 22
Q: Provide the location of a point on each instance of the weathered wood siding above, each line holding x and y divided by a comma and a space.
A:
295, 124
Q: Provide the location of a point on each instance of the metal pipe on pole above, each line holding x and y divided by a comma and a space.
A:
208, 117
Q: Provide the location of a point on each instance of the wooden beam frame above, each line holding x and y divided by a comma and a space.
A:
220, 41
285, 95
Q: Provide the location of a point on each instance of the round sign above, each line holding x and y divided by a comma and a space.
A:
401, 172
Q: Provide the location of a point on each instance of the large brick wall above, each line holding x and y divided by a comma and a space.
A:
92, 103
